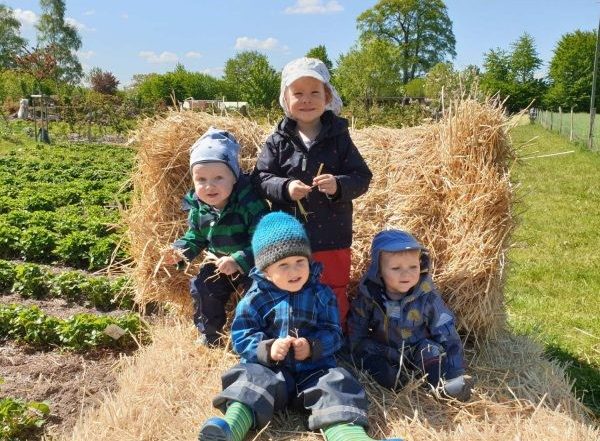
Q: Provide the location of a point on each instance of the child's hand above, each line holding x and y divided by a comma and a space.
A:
301, 348
172, 256
298, 190
227, 265
326, 184
280, 348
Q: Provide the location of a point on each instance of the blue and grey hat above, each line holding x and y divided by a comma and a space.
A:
277, 236
216, 145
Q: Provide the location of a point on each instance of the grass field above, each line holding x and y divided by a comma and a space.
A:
553, 288
581, 125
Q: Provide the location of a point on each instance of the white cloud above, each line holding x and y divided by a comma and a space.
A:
90, 12
78, 25
193, 54
213, 71
269, 44
26, 17
164, 57
125, 16
314, 7
86, 55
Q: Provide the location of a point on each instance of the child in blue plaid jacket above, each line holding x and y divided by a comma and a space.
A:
286, 330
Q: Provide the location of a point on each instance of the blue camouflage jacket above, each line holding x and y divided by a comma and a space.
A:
266, 313
421, 314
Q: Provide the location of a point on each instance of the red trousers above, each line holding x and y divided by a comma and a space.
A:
336, 275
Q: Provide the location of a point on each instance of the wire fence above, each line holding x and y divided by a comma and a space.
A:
574, 126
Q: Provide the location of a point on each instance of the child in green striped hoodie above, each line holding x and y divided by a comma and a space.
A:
223, 212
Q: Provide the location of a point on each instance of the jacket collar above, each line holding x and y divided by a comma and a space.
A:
331, 126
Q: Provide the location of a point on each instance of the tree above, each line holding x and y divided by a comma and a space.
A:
103, 82
369, 71
249, 77
571, 70
420, 31
63, 38
11, 42
320, 52
512, 74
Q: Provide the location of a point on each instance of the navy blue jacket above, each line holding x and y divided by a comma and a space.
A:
284, 158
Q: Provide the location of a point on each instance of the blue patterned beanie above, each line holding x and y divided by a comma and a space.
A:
216, 145
277, 236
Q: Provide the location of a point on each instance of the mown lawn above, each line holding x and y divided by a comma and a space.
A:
553, 287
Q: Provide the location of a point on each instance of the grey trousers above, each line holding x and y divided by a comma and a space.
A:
331, 395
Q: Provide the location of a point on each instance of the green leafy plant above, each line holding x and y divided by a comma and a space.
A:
73, 249
30, 281
19, 419
7, 275
37, 243
69, 285
9, 239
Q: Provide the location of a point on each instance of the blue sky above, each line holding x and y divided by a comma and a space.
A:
136, 36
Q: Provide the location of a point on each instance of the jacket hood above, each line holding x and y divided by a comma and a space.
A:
393, 240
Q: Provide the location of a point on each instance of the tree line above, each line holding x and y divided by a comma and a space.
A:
404, 48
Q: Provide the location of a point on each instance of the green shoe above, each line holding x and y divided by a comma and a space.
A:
232, 427
350, 432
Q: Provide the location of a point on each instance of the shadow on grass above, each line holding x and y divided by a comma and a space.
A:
585, 375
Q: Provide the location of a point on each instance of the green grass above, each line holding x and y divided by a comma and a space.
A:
553, 288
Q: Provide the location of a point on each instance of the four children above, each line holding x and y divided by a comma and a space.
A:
289, 324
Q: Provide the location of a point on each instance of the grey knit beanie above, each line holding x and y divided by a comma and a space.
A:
216, 145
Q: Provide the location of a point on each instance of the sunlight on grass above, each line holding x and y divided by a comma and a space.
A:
554, 277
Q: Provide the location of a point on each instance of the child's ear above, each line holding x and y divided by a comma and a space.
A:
328, 95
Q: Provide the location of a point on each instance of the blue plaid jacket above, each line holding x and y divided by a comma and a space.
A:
266, 313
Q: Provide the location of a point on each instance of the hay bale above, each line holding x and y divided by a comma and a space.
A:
165, 393
446, 182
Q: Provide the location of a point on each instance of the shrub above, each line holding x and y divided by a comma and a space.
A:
9, 240
69, 285
7, 204
101, 252
18, 218
7, 275
30, 325
30, 281
73, 249
20, 419
37, 243
99, 293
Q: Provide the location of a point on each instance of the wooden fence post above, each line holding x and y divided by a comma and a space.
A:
571, 131
560, 120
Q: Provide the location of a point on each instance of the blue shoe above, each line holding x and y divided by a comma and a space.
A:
215, 429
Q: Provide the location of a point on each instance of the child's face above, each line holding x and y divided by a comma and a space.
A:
213, 183
306, 99
400, 271
289, 274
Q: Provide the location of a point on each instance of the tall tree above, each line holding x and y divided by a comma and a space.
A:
54, 32
11, 42
512, 74
420, 30
368, 71
571, 71
250, 77
320, 52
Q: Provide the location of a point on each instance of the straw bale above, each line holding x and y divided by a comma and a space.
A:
447, 182
165, 393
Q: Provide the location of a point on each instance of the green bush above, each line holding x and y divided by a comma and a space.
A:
7, 275
37, 243
20, 419
29, 325
73, 249
30, 281
18, 218
9, 240
69, 285
99, 293
7, 204
101, 252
